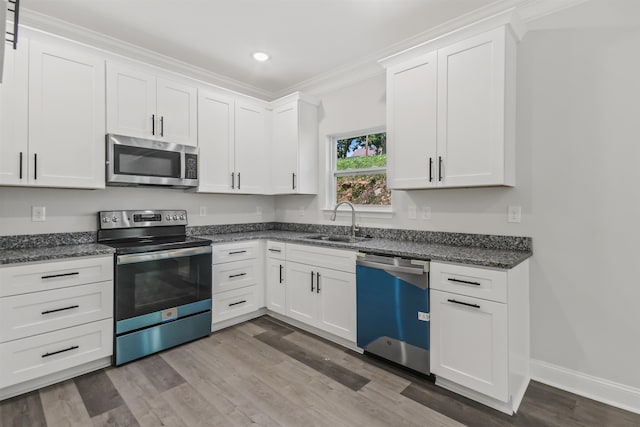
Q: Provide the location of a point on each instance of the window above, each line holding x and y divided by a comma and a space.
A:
360, 170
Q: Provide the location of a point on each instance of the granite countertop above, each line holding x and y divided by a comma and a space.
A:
484, 257
461, 253
16, 256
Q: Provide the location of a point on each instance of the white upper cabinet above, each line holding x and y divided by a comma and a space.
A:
454, 127
142, 105
411, 112
294, 148
250, 148
14, 151
233, 144
66, 116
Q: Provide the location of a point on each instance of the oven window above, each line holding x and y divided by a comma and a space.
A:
146, 162
150, 286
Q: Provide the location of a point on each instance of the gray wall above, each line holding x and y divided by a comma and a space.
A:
578, 179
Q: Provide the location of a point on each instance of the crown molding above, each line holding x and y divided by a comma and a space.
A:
43, 23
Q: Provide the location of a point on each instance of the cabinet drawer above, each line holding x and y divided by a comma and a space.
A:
33, 357
30, 314
276, 250
237, 302
335, 259
235, 251
235, 275
471, 281
22, 279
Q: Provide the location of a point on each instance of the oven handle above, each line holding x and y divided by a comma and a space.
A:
154, 256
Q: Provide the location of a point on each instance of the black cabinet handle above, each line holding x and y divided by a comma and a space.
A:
73, 347
281, 273
161, 125
35, 166
21, 165
237, 275
71, 307
16, 19
293, 183
51, 276
466, 282
317, 283
274, 250
153, 124
233, 180
439, 168
430, 169
464, 303
238, 180
236, 303
236, 252
312, 274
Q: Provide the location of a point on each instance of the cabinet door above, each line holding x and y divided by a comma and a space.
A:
471, 95
469, 343
411, 123
131, 102
276, 285
337, 302
250, 149
176, 106
285, 176
301, 299
13, 115
66, 116
215, 141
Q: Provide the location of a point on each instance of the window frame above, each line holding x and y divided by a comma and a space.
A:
332, 173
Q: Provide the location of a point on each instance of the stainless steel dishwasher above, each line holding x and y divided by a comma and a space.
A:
393, 309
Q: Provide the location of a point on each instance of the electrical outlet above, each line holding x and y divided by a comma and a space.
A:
259, 210
38, 213
301, 211
412, 212
426, 212
514, 214
203, 211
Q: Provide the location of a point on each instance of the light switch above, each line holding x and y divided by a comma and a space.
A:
514, 214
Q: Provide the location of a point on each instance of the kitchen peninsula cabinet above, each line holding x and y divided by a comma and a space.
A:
143, 105
451, 115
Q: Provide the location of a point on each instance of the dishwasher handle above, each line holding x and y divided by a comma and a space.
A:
392, 268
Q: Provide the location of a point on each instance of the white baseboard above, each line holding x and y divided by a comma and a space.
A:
605, 391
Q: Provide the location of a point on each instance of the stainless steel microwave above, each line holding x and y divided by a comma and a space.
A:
137, 161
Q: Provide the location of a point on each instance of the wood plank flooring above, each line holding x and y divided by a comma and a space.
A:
267, 373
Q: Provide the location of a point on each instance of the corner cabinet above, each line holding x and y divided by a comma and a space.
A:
451, 115
294, 149
142, 105
52, 122
480, 332
233, 144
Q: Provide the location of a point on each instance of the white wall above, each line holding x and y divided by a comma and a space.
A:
76, 210
578, 180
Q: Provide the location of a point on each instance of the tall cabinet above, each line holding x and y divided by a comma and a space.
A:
451, 114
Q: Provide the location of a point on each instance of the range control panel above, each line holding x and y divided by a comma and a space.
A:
149, 218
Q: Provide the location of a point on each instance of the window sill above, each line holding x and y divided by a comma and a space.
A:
362, 212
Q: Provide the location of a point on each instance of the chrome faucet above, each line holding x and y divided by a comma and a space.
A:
354, 227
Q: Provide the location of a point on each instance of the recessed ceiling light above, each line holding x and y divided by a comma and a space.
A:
260, 56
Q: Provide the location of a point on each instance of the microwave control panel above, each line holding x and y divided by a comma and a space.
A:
190, 166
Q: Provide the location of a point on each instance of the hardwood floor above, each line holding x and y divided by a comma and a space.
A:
267, 373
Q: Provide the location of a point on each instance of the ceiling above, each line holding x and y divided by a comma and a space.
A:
305, 38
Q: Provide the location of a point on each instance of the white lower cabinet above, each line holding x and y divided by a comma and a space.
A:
322, 297
469, 342
56, 321
480, 332
238, 283
276, 285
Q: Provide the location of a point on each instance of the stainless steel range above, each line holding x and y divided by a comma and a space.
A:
162, 281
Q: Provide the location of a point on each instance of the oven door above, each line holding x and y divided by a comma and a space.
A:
154, 287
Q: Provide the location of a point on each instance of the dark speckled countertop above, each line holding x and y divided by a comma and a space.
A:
502, 252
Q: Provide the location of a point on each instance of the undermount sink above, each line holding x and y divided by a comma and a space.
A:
335, 238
